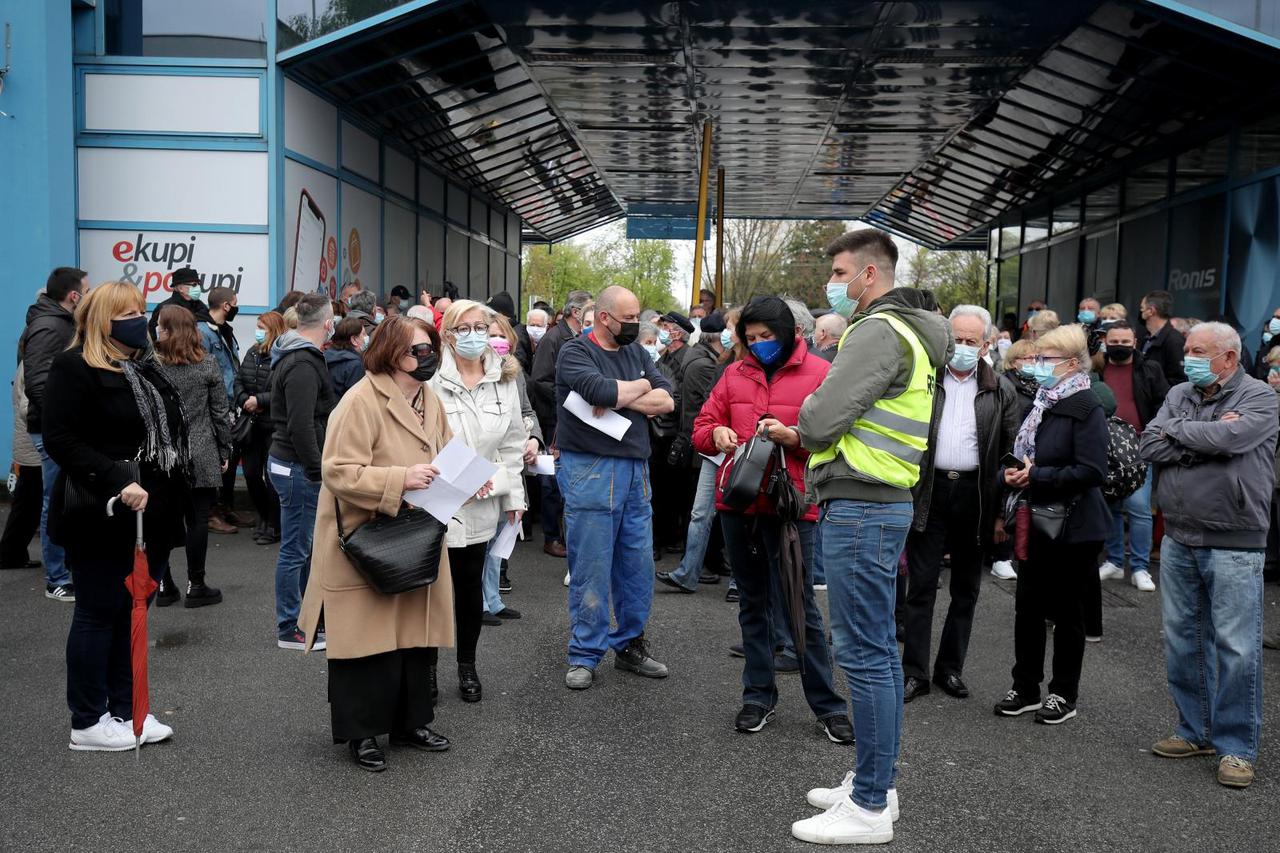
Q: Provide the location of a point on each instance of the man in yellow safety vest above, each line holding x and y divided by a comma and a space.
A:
867, 427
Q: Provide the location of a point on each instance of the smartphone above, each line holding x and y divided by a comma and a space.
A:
1011, 461
308, 244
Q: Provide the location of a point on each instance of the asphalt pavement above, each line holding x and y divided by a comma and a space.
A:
630, 765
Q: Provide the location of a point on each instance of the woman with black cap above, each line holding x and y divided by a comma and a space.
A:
762, 394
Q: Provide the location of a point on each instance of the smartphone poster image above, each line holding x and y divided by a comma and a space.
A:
308, 246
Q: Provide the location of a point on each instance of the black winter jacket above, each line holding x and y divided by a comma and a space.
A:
253, 379
301, 399
672, 365
998, 415
50, 328
195, 306
543, 389
1149, 387
1165, 349
701, 370
1071, 465
346, 368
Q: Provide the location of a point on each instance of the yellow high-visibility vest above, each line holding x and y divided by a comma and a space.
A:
888, 442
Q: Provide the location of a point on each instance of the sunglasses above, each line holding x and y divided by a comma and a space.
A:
420, 350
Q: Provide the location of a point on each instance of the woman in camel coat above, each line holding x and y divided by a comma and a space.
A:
380, 442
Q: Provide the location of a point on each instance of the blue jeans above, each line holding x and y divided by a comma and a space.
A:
492, 572
298, 499
763, 614
702, 516
55, 559
1138, 508
1211, 600
552, 509
608, 523
861, 542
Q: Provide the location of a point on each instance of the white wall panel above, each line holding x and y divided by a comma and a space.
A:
310, 125
166, 103
151, 185
399, 246
148, 259
359, 152
399, 173
361, 239
321, 190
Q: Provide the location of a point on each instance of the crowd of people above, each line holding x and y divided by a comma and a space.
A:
861, 453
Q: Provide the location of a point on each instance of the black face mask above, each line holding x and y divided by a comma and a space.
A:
232, 312
132, 333
427, 365
627, 333
1116, 355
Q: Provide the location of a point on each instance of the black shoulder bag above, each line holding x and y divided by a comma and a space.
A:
748, 473
395, 553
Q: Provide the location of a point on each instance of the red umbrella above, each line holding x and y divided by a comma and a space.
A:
140, 586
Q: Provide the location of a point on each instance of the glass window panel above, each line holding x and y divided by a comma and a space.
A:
1142, 263
303, 20
513, 232
478, 287
459, 204
497, 225
1066, 217
513, 275
1102, 204
497, 271
1204, 165
1146, 185
228, 29
456, 259
479, 217
993, 243
1033, 285
1099, 276
1007, 294
1037, 228
1064, 271
1010, 239
1259, 147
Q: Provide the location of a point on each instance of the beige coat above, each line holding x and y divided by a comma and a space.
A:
373, 436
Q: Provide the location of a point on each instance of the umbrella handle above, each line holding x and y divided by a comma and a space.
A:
111, 513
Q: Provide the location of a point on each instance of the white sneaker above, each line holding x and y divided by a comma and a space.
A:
1003, 569
825, 798
845, 823
153, 731
1109, 570
109, 734
1143, 581
566, 578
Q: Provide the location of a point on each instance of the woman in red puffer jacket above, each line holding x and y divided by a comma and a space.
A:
763, 393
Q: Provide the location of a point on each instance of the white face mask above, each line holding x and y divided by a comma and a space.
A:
536, 332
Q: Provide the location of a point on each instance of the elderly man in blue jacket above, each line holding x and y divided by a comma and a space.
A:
1213, 447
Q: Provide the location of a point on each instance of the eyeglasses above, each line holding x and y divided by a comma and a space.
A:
1052, 359
478, 328
421, 350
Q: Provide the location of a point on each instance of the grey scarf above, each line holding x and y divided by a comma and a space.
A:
160, 448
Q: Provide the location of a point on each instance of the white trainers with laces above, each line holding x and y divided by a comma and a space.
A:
1109, 571
1143, 581
1003, 569
825, 798
153, 731
109, 734
845, 823
566, 578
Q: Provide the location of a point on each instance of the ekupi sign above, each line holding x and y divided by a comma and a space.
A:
147, 259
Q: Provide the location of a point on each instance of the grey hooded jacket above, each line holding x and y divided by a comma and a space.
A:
873, 363
1214, 477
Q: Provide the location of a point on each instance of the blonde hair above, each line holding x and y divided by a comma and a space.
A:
93, 322
1044, 321
1116, 308
505, 325
455, 311
1019, 349
291, 317
1070, 341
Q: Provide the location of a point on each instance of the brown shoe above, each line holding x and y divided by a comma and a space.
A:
217, 525
234, 518
1175, 746
552, 548
1235, 772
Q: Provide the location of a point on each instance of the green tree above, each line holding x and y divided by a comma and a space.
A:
551, 272
754, 255
646, 268
806, 269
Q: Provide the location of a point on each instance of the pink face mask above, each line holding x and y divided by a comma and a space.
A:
500, 345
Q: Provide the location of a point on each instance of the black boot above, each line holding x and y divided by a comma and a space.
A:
259, 530
270, 535
435, 687
201, 595
167, 593
367, 754
468, 682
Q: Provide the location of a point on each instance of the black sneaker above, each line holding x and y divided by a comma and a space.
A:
60, 592
753, 718
838, 729
200, 595
1014, 704
490, 620
635, 658
1055, 710
731, 594
504, 582
167, 594
737, 651
785, 665
508, 613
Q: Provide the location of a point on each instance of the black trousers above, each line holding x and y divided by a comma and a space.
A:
1053, 584
466, 568
668, 528
195, 510
24, 517
261, 492
227, 494
380, 694
99, 671
953, 528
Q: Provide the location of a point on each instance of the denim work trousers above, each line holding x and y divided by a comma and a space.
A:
1211, 599
1137, 508
861, 542
608, 523
55, 559
701, 519
298, 499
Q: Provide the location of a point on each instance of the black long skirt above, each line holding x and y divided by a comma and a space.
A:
379, 694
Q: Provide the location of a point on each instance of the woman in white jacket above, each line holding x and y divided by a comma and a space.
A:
482, 402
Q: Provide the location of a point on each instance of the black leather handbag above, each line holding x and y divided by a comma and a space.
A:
747, 474
79, 499
1050, 519
395, 553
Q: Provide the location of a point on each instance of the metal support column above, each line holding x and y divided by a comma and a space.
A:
701, 224
719, 236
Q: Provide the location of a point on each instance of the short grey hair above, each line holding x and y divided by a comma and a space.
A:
421, 312
804, 317
576, 301
536, 313
975, 311
314, 309
833, 324
646, 330
363, 301
1223, 335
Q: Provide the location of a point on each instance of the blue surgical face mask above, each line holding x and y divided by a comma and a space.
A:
471, 345
405, 305
838, 295
652, 349
1199, 370
1027, 370
1087, 317
726, 339
1274, 326
586, 330
1044, 375
664, 337
1266, 337
965, 358
767, 352
260, 335
1003, 345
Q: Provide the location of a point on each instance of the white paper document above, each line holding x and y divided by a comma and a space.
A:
716, 460
545, 464
610, 423
462, 473
505, 542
